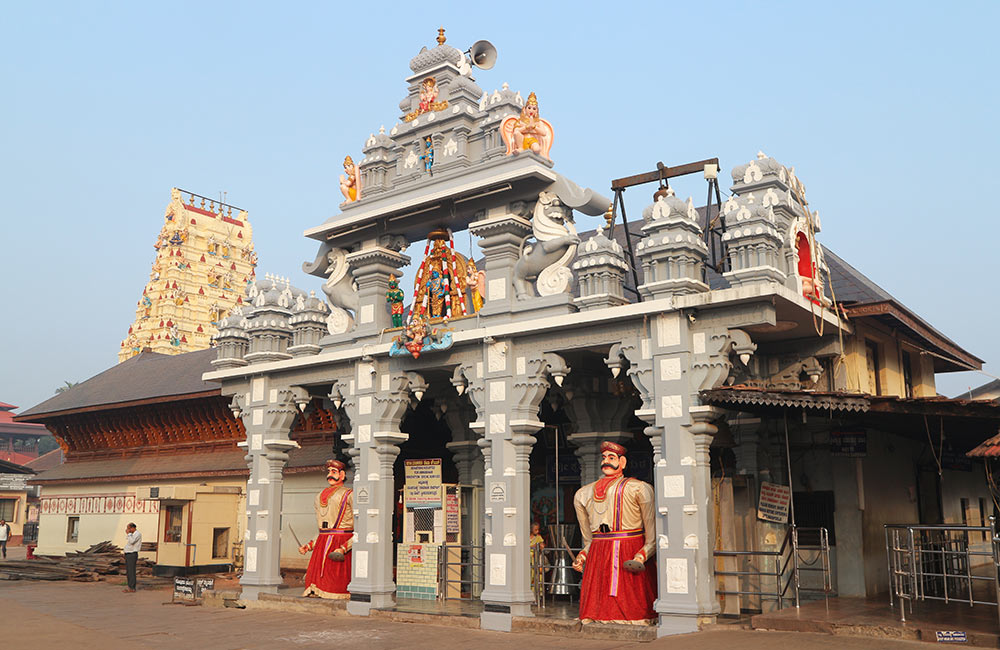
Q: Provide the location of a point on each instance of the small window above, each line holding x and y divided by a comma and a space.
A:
172, 524
814, 510
8, 510
874, 380
73, 529
907, 374
964, 504
220, 543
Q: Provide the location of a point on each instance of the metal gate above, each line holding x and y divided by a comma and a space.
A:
777, 575
943, 562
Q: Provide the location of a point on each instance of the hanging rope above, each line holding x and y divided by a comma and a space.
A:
930, 442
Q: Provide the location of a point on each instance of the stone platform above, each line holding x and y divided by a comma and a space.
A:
874, 618
556, 619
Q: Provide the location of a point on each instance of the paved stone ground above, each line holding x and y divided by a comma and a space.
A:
100, 616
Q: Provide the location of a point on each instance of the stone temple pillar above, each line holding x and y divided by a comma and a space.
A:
372, 268
507, 389
501, 234
681, 432
268, 412
375, 400
596, 414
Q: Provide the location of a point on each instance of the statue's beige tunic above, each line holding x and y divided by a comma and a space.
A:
637, 511
326, 516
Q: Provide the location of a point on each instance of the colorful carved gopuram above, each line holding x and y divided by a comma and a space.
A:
204, 261
563, 389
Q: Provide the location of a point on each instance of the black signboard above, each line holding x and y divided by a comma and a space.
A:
853, 444
184, 589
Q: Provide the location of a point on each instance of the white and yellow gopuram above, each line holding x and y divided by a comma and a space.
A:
204, 260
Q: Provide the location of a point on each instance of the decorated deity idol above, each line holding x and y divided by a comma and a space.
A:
437, 292
394, 296
528, 131
428, 155
330, 565
350, 181
428, 94
616, 520
414, 336
428, 102
476, 281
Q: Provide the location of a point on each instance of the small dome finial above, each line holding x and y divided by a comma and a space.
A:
441, 39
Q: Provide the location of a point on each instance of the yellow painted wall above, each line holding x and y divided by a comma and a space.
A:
20, 510
891, 348
95, 528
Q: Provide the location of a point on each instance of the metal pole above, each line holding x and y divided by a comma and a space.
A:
620, 200
788, 462
888, 559
558, 529
996, 562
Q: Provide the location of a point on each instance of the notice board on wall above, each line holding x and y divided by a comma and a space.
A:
773, 503
423, 483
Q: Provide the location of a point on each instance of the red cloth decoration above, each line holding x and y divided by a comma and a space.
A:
601, 489
328, 575
635, 591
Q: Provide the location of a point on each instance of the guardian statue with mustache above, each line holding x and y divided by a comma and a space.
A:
618, 561
330, 565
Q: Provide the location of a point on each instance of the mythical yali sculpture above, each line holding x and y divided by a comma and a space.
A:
548, 258
340, 292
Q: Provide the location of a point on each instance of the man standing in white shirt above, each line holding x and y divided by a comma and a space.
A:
133, 541
4, 536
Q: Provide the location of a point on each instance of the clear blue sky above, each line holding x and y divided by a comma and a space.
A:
886, 110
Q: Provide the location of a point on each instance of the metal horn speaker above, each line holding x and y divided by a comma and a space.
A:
483, 54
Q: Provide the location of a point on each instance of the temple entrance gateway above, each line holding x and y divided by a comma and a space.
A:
510, 383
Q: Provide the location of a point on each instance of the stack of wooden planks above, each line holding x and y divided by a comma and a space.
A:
85, 566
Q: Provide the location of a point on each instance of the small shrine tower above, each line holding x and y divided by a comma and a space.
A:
204, 261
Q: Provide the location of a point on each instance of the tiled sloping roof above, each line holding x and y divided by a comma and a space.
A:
13, 468
850, 284
175, 465
747, 396
46, 461
145, 376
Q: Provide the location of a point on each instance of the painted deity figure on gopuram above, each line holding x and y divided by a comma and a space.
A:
330, 565
350, 181
394, 296
428, 100
439, 289
527, 131
475, 280
618, 563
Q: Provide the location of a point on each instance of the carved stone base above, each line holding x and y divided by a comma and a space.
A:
557, 305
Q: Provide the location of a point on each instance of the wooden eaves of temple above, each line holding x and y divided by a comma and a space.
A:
149, 441
155, 405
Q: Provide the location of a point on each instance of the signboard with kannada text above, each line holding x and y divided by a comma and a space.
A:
423, 483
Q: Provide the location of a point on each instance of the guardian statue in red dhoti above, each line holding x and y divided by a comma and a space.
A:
330, 565
618, 562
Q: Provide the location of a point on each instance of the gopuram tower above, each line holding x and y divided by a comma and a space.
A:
204, 261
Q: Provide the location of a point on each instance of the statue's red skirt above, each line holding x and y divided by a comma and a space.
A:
328, 578
610, 593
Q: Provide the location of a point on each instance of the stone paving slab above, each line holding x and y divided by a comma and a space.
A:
99, 616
